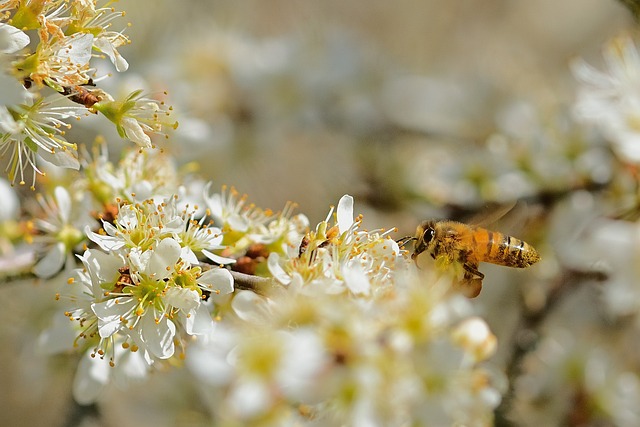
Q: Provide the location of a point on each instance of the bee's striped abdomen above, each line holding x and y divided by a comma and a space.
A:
498, 248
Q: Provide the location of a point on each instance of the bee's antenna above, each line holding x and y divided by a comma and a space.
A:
403, 241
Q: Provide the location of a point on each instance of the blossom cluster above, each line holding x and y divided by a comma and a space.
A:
48, 80
313, 358
342, 315
609, 99
144, 289
353, 334
523, 157
58, 225
340, 257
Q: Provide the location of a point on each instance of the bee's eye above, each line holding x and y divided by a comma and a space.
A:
428, 235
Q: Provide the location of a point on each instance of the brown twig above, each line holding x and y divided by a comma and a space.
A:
260, 285
530, 323
633, 6
79, 415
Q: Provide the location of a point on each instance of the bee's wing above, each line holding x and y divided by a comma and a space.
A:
493, 213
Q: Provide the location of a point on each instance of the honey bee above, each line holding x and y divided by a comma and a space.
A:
82, 95
451, 241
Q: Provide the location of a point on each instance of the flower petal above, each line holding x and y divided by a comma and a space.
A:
217, 279
130, 366
12, 93
134, 132
110, 313
63, 200
102, 267
210, 361
62, 158
276, 270
188, 256
199, 321
356, 279
77, 48
250, 307
250, 397
158, 337
58, 337
52, 262
91, 378
304, 357
182, 298
106, 47
217, 258
107, 243
12, 39
163, 258
345, 213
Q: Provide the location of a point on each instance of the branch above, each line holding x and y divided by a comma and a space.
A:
80, 415
259, 285
530, 323
633, 6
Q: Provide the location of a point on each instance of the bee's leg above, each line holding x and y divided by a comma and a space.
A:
472, 269
471, 284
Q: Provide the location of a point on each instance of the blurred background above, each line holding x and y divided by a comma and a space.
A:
418, 109
305, 102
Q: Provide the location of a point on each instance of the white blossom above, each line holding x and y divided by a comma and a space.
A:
61, 225
12, 39
610, 99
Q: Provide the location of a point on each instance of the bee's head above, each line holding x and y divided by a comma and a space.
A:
424, 235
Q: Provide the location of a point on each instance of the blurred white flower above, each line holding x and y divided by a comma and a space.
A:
611, 99
94, 374
229, 209
474, 336
16, 255
60, 231
576, 375
402, 349
437, 106
252, 234
613, 248
10, 202
138, 176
